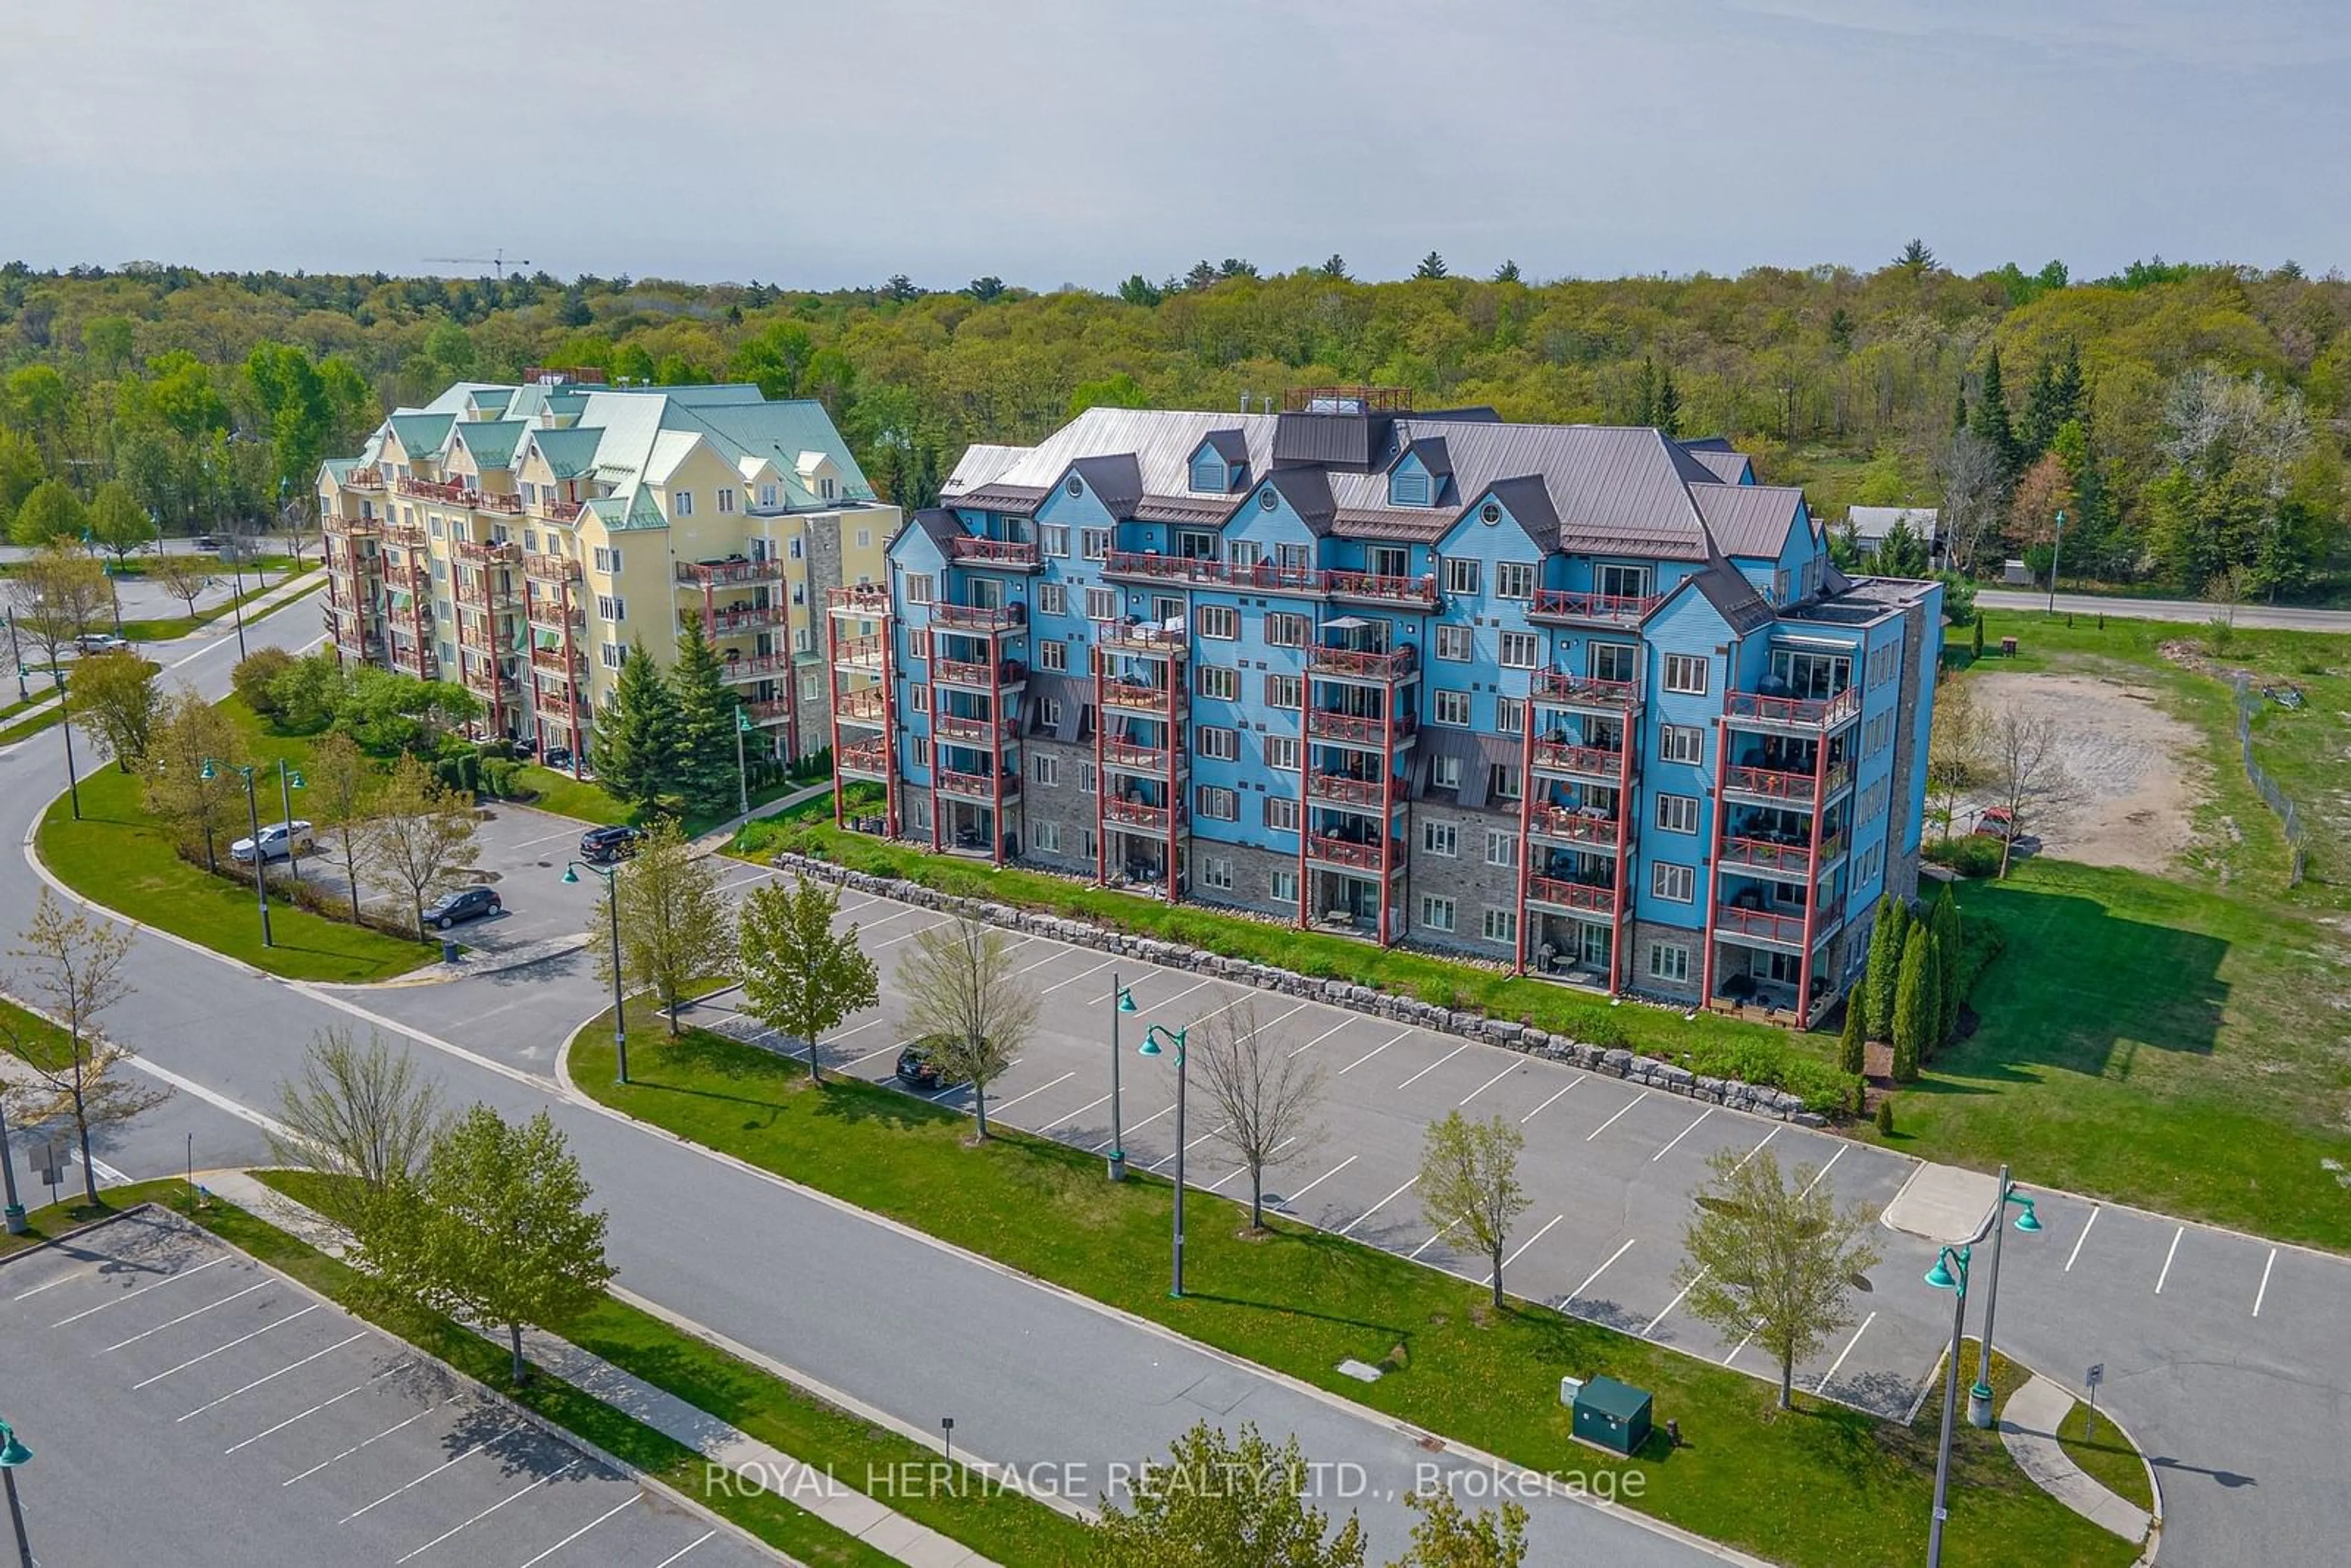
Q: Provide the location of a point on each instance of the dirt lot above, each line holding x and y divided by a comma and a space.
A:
2133, 776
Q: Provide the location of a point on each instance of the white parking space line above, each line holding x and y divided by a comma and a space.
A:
1685, 1132
1612, 1121
1483, 1087
1383, 1203
1264, 1026
1594, 1277
855, 1028
1518, 1251
1169, 1157
1371, 1053
184, 1317
1163, 1110
910, 935
1080, 975
1824, 1170
275, 1376
68, 1277
896, 1045
133, 1295
865, 926
673, 1556
1177, 996
1554, 1094
107, 1173
1414, 1256
1434, 1065
2263, 1294
1320, 1038
578, 1532
355, 1448
2095, 1209
547, 1479
1836, 1366
1016, 1100
545, 838
281, 1322
1317, 1181
1243, 1170
1074, 1115
1742, 1344
2169, 1254
1057, 953
460, 1458
1756, 1149
1677, 1302
322, 1404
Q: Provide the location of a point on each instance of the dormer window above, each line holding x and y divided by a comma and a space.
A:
1209, 475
1220, 464
1408, 488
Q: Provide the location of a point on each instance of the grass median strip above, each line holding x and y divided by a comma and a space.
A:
2105, 1455
1821, 1485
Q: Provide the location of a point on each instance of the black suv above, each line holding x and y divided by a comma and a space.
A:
918, 1068
466, 903
614, 844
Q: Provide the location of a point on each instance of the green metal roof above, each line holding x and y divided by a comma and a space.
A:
422, 432
1610, 1397
492, 440
340, 468
778, 431
569, 453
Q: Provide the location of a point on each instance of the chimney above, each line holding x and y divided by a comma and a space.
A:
1245, 402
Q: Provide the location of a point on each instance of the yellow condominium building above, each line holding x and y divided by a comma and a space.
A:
518, 540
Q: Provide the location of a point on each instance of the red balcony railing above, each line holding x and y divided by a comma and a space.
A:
868, 706
867, 759
408, 536
1359, 729
1793, 713
1350, 853
723, 574
1567, 823
551, 568
1563, 687
978, 619
427, 490
860, 653
1610, 609
972, 550
1133, 696
1585, 761
1132, 759
363, 479
1393, 665
975, 731
351, 527
556, 511
1417, 592
1346, 789
1599, 899
1134, 814
751, 618
552, 660
1762, 924
975, 786
1764, 854
1143, 642
756, 667
978, 673
859, 598
486, 553
770, 712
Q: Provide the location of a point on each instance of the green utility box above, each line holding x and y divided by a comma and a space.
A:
1612, 1414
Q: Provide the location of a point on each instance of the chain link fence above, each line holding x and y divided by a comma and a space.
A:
2248, 703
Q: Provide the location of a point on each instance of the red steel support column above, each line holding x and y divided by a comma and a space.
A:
1387, 816
1714, 855
833, 710
1526, 827
1619, 963
1177, 735
1811, 883
891, 823
1101, 779
1305, 804
996, 751
930, 671
571, 687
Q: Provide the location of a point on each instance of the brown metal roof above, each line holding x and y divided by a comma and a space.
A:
1750, 521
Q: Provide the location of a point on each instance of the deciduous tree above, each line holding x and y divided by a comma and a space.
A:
1265, 1094
1955, 748
116, 700
60, 595
188, 733
119, 522
962, 1001
419, 838
676, 926
343, 785
51, 513
801, 977
1221, 1502
1446, 1536
187, 577
1469, 1188
364, 1116
71, 969
2027, 769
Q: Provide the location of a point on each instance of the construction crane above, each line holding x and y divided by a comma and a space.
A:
496, 262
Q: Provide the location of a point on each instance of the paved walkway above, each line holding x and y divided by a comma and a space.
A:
1941, 1204
718, 838
2029, 1426
754, 1463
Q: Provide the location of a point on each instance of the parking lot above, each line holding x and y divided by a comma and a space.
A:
185, 1403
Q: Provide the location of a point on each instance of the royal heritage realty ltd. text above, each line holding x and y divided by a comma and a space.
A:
1084, 1482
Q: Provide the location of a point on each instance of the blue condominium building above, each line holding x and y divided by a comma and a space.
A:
1590, 703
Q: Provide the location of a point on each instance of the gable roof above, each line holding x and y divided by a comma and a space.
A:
422, 435
491, 440
1733, 597
1116, 480
1529, 504
570, 454
1730, 468
1230, 445
1750, 521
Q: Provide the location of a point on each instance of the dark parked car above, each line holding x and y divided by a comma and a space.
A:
598, 845
557, 757
466, 903
208, 541
918, 1068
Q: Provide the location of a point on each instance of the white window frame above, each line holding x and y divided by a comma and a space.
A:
1502, 926
1450, 708
1217, 743
1678, 813
1514, 580
1669, 961
1437, 913
1053, 655
1441, 838
1454, 644
1221, 683
1462, 575
1672, 882
1220, 622
1686, 674
1045, 769
1216, 803
1520, 651
1681, 743
1502, 847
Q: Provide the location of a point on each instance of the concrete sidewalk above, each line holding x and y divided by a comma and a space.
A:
753, 1463
1942, 1203
718, 838
2029, 1427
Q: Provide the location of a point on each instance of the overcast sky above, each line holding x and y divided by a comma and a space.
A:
1079, 141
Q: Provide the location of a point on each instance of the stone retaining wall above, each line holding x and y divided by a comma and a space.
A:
1615, 1062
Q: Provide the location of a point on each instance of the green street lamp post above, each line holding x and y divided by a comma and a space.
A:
1151, 1046
15, 1211
742, 778
16, 658
2029, 1222
289, 780
14, 1457
571, 870
2056, 546
1122, 1001
1951, 1273
260, 861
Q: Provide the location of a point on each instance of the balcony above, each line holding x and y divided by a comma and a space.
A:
556, 511
976, 620
1135, 696
972, 550
1592, 609
727, 573
406, 658
771, 712
1764, 926
1784, 788
1370, 587
1572, 897
1766, 857
1359, 729
1562, 689
427, 490
1412, 592
1603, 763
1355, 856
1152, 761
488, 553
978, 675
551, 615
1362, 664
363, 479
551, 568
982, 732
351, 527
550, 661
866, 760
408, 536
857, 654
748, 617
1347, 790
1134, 817
1574, 825
867, 707
858, 599
1807, 714
975, 786
756, 667
1141, 640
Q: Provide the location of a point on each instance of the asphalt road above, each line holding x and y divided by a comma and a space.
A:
2281, 617
1039, 1380
189, 1405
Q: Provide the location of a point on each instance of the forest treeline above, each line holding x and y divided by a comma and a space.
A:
2188, 421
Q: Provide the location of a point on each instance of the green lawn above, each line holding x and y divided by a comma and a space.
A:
1707, 1043
163, 629
587, 802
121, 857
33, 726
1821, 1485
2108, 1457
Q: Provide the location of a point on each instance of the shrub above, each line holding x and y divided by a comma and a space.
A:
1960, 600
256, 676
307, 693
1970, 854
499, 776
1886, 1117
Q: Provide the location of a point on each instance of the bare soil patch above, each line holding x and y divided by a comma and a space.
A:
2134, 774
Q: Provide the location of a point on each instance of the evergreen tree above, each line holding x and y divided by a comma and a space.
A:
705, 724
634, 745
1990, 422
1508, 272
1850, 1056
2054, 401
1431, 265
1916, 1002
1667, 415
1884, 963
1334, 268
1944, 922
